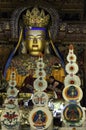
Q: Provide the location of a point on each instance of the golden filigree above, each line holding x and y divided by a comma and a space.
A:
36, 18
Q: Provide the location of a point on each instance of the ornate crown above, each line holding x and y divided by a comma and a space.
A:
36, 18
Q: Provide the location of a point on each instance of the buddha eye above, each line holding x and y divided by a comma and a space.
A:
30, 37
40, 37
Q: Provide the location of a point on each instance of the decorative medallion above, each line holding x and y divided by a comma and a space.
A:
12, 83
73, 115
71, 58
40, 84
40, 73
11, 103
10, 118
72, 80
40, 65
72, 93
40, 118
71, 68
12, 92
40, 99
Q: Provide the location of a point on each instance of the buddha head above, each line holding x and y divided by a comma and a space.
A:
35, 40
35, 22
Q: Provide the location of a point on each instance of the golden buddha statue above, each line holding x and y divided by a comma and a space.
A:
32, 44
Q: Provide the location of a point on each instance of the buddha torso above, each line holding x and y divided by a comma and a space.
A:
24, 63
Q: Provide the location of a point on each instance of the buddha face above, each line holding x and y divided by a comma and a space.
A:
35, 40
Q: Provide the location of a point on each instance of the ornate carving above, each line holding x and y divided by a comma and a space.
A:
36, 18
